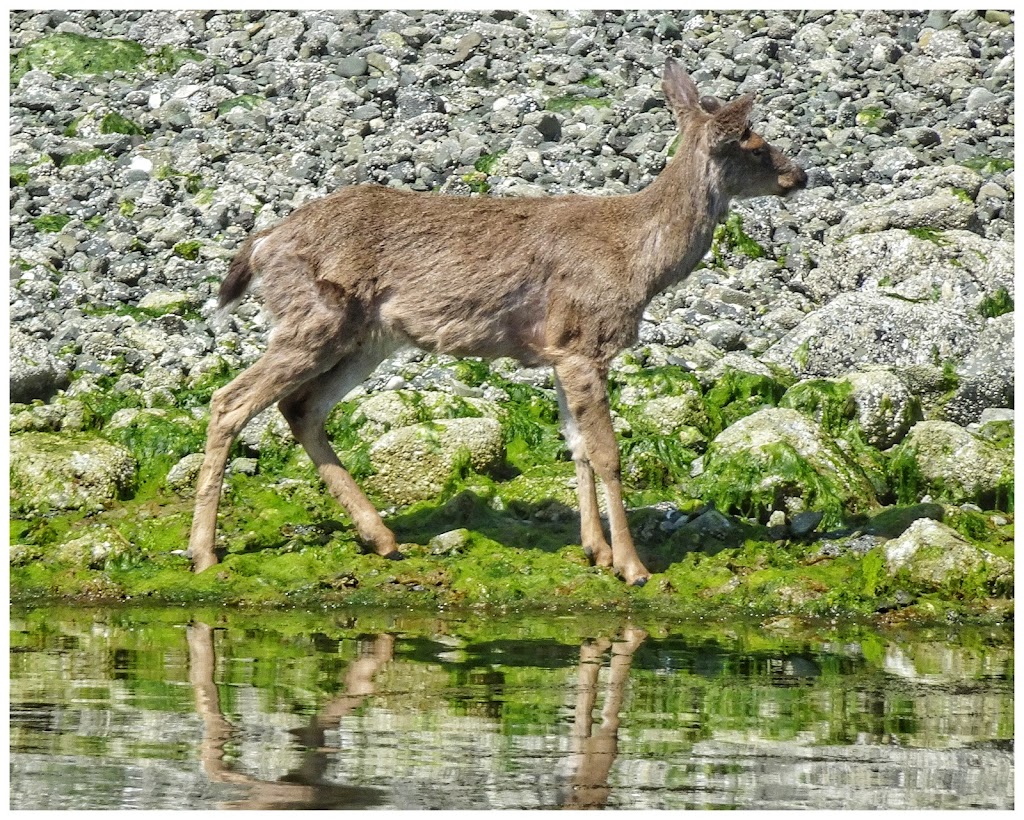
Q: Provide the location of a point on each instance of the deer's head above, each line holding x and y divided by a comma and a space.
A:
746, 163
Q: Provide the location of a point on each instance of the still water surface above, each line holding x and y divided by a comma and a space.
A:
160, 709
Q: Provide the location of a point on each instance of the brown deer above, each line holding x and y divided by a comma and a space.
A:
560, 281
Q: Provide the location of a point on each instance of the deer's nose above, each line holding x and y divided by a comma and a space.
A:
794, 180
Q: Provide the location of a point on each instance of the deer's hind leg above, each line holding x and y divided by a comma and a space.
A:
591, 533
297, 353
307, 409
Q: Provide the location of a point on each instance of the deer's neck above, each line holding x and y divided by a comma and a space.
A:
679, 212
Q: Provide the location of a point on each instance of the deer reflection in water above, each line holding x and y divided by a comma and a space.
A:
303, 787
594, 749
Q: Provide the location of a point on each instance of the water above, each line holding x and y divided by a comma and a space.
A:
159, 709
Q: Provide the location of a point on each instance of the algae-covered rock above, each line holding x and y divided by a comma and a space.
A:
65, 414
391, 409
936, 556
778, 459
669, 414
415, 462
946, 461
182, 476
92, 550
67, 472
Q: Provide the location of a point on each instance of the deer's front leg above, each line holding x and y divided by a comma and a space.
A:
583, 391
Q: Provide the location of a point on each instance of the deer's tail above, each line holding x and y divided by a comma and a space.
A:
239, 277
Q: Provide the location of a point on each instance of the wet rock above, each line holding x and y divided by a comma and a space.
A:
67, 472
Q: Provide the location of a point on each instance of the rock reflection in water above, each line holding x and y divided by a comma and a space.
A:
131, 708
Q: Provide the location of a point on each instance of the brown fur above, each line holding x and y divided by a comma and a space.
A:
560, 281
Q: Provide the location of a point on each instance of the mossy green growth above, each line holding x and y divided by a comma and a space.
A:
754, 488
114, 123
192, 183
51, 223
736, 394
486, 163
827, 401
74, 55
477, 182
19, 174
870, 117
82, 157
996, 304
929, 235
988, 165
188, 250
730, 235
157, 440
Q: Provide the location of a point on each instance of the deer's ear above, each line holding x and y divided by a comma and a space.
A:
680, 92
730, 121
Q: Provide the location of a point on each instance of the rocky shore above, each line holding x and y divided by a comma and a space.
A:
836, 377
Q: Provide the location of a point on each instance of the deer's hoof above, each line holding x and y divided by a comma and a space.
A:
639, 582
203, 562
394, 555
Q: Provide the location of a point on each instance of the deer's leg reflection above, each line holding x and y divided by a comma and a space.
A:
302, 787
594, 750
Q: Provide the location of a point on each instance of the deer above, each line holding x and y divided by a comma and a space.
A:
559, 281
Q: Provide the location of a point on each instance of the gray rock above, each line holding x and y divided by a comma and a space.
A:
34, 372
884, 406
857, 329
182, 476
986, 373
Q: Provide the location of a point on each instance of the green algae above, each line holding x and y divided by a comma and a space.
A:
736, 394
114, 123
75, 55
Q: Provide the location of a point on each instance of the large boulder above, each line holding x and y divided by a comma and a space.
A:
937, 556
70, 471
415, 462
944, 460
866, 328
34, 372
